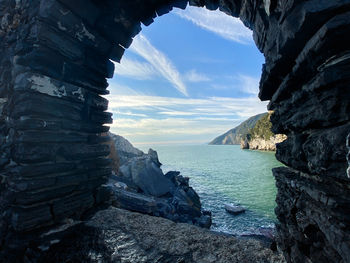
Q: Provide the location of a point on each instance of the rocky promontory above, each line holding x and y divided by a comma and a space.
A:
254, 133
235, 135
263, 144
260, 137
140, 185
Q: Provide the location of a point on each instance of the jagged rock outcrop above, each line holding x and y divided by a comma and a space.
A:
55, 58
124, 148
235, 135
126, 151
141, 186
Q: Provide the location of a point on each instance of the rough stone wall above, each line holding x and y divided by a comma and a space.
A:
16, 19
54, 64
312, 105
348, 155
53, 73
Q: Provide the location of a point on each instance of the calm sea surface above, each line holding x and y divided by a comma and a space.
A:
227, 174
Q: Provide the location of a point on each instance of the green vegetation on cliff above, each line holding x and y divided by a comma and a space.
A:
262, 128
235, 135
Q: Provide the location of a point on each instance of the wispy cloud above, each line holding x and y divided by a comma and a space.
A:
177, 113
194, 76
129, 113
135, 69
149, 126
214, 106
217, 22
143, 118
143, 47
249, 84
174, 130
244, 83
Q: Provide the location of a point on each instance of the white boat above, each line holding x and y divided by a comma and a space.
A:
234, 209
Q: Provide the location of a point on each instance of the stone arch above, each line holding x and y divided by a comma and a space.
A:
53, 66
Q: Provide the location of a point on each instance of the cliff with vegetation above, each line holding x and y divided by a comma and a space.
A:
254, 133
260, 137
235, 135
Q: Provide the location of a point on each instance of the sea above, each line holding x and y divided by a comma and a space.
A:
223, 174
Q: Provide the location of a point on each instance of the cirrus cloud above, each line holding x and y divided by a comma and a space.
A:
220, 24
143, 47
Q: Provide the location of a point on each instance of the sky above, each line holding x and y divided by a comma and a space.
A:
187, 78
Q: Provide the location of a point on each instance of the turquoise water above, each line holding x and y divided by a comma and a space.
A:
223, 174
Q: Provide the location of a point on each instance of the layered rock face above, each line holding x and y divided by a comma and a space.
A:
52, 151
54, 61
311, 106
313, 214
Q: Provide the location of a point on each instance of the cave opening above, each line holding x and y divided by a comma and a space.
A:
55, 58
190, 76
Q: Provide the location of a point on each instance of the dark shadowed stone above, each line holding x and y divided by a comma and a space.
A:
117, 235
52, 165
116, 53
154, 157
304, 226
204, 221
149, 177
172, 175
137, 202
26, 218
348, 155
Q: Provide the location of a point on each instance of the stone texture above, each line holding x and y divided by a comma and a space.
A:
313, 216
124, 148
116, 235
149, 177
348, 155
140, 186
54, 61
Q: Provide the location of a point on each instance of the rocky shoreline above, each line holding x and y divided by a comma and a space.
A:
140, 185
254, 134
159, 219
117, 235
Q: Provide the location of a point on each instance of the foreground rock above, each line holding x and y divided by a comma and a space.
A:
179, 202
140, 185
116, 235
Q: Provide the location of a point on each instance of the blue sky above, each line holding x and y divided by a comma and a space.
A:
190, 76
